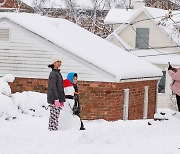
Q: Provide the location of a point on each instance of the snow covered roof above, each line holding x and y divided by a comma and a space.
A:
125, 17
158, 57
88, 4
121, 16
117, 15
151, 55
85, 45
85, 4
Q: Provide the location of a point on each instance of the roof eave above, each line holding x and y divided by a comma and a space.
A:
140, 79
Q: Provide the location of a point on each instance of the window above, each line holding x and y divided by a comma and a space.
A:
142, 38
4, 34
162, 83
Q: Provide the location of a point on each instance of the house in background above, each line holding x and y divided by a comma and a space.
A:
148, 33
163, 4
14, 5
110, 87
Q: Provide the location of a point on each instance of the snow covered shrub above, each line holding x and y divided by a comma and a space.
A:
32, 103
4, 86
7, 109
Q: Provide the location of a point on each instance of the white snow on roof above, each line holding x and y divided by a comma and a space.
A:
123, 16
151, 55
157, 57
85, 45
87, 4
119, 16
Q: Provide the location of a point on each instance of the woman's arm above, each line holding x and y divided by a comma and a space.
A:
174, 75
53, 85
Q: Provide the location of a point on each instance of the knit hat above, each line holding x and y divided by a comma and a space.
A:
67, 83
55, 59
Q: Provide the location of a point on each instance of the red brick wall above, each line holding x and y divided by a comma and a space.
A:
101, 100
105, 100
15, 4
27, 84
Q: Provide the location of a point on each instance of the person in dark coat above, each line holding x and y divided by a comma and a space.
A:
55, 95
76, 108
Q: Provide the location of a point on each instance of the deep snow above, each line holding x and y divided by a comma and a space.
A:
28, 135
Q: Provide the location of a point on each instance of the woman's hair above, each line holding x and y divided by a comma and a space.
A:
51, 66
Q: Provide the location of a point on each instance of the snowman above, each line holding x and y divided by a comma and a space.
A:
67, 120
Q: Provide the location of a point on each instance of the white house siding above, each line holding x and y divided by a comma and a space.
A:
157, 37
115, 42
27, 55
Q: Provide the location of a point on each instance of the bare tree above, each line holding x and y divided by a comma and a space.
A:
173, 25
91, 18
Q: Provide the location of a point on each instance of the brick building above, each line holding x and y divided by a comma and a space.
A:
162, 4
113, 84
12, 5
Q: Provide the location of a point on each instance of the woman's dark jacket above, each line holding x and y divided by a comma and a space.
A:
55, 87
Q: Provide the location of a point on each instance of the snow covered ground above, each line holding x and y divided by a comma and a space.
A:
27, 135
24, 130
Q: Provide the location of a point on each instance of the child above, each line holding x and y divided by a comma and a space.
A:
76, 108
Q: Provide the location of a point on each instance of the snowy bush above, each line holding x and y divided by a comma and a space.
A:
32, 103
4, 87
7, 109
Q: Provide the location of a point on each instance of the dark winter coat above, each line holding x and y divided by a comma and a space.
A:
55, 87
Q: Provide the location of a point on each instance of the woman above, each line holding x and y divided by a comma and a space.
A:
55, 95
175, 86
